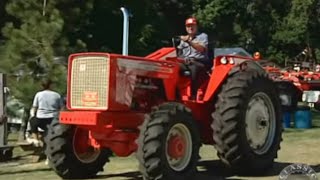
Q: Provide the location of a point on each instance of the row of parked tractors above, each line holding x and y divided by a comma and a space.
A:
302, 76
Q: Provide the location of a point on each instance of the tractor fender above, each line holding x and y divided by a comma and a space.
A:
221, 71
249, 65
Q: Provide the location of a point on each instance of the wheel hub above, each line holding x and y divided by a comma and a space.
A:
81, 147
176, 147
179, 147
260, 123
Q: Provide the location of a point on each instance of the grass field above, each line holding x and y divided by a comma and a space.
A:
298, 146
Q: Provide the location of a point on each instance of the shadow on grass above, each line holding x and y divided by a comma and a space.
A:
214, 169
25, 171
134, 175
316, 168
15, 158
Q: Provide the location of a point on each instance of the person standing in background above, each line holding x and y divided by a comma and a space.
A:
45, 107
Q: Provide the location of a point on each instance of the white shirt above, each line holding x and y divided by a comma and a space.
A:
189, 51
48, 104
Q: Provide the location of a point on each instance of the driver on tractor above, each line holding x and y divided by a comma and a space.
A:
194, 50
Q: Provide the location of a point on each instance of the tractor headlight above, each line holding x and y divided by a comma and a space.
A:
223, 60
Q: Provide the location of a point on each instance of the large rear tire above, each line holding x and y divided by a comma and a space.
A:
168, 144
247, 125
69, 154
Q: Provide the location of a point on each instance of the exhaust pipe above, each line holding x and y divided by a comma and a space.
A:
125, 37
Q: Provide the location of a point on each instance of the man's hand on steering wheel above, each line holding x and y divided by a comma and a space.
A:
176, 41
188, 60
185, 38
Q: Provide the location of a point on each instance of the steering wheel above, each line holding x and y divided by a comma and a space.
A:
176, 42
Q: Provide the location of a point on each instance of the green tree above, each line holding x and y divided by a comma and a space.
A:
294, 32
28, 53
3, 16
217, 18
75, 33
151, 26
277, 28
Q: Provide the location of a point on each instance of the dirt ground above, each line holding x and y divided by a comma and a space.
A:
299, 146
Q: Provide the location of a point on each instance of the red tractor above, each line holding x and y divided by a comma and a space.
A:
299, 81
122, 104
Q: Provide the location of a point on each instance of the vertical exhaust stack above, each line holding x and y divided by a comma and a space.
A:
125, 39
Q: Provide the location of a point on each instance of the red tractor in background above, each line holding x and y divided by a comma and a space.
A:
125, 104
289, 88
304, 72
300, 78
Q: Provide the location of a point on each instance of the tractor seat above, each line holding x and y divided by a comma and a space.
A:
187, 73
208, 69
209, 66
210, 54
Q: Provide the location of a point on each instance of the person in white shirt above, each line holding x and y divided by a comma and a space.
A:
45, 107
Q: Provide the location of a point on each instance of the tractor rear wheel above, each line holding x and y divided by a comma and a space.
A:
168, 144
70, 155
246, 125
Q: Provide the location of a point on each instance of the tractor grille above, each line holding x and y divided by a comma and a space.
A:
89, 82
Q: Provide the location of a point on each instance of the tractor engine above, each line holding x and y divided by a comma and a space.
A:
108, 95
107, 82
148, 92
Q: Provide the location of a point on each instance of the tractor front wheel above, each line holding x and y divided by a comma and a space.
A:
247, 122
69, 153
168, 144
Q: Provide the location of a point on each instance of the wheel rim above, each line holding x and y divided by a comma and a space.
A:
179, 147
260, 123
81, 147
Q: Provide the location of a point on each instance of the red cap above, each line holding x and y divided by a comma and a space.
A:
191, 21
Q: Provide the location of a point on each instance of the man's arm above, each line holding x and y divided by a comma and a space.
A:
34, 107
200, 44
33, 112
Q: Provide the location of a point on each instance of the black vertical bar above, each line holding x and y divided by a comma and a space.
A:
3, 125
